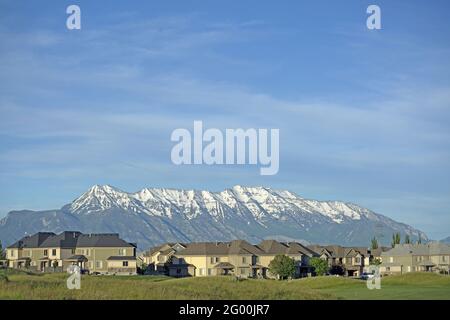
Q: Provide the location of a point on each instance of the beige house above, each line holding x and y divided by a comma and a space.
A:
349, 261
237, 257
158, 258
94, 253
403, 258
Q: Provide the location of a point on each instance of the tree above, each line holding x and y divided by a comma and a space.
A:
419, 241
374, 244
395, 239
320, 265
337, 270
375, 262
142, 268
407, 239
2, 252
282, 266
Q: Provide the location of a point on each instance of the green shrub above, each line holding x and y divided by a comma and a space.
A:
320, 266
3, 277
282, 266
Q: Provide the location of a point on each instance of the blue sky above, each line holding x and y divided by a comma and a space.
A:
363, 115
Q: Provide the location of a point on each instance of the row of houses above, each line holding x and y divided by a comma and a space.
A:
109, 254
403, 258
243, 259
237, 257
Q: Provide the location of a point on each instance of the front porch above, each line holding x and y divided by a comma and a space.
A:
224, 268
258, 271
21, 263
77, 260
427, 266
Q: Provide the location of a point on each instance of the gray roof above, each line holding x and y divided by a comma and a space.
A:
33, 241
242, 247
121, 258
295, 247
206, 248
70, 239
336, 251
102, 240
273, 247
437, 248
164, 248
78, 257
434, 248
66, 239
224, 265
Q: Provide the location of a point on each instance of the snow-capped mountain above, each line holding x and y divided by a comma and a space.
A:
152, 216
446, 240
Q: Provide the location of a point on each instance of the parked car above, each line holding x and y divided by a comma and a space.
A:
367, 276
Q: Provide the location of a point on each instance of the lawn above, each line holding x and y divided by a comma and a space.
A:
20, 285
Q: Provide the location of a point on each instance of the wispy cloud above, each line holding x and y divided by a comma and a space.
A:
99, 106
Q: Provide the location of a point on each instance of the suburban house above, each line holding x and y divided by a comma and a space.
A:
158, 258
237, 257
94, 253
349, 261
431, 257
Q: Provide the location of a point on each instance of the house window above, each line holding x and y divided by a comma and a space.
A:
87, 252
357, 260
53, 252
209, 271
122, 252
391, 259
98, 264
124, 263
160, 258
388, 268
444, 258
244, 259
73, 251
215, 259
201, 271
45, 253
11, 253
257, 259
243, 270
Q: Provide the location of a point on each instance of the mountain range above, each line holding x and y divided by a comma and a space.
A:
446, 240
153, 216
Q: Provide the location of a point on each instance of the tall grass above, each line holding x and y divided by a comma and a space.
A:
53, 286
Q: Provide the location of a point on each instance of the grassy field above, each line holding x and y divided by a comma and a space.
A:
20, 285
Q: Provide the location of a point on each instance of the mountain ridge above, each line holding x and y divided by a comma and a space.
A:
154, 215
